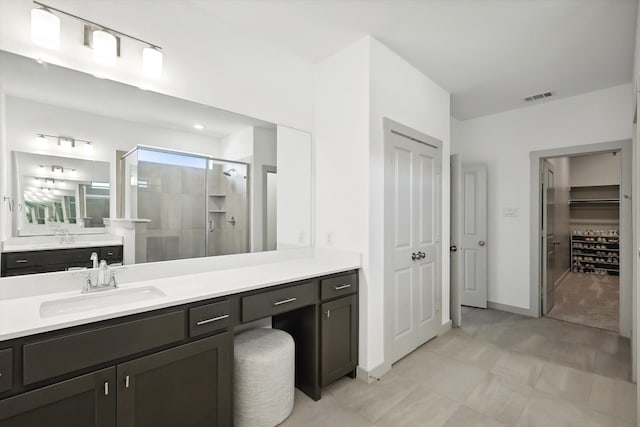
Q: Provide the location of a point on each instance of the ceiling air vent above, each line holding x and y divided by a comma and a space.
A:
538, 96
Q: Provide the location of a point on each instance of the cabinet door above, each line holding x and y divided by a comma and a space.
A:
339, 339
189, 385
85, 401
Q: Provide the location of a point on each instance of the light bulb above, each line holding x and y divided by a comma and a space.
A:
45, 28
105, 48
152, 62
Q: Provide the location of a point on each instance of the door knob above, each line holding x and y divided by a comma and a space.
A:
422, 255
414, 256
453, 248
481, 243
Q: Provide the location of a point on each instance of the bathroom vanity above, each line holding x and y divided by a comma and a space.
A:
168, 360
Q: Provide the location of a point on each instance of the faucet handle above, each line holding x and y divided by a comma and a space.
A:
112, 280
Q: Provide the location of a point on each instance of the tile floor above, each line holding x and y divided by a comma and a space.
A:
499, 369
588, 299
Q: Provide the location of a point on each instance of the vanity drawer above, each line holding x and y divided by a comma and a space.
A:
23, 259
67, 353
6, 369
209, 318
275, 302
69, 257
338, 285
111, 253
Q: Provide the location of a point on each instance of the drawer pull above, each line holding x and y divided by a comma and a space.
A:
339, 288
106, 389
126, 381
213, 319
22, 261
284, 301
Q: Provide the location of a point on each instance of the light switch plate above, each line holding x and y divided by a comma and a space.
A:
510, 212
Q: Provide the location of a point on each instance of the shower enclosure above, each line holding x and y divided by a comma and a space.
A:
196, 205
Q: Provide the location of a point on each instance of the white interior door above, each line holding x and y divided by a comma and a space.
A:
412, 227
472, 226
549, 242
456, 179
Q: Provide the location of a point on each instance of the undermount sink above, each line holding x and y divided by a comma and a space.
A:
101, 299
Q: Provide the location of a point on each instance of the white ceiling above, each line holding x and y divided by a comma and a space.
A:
488, 53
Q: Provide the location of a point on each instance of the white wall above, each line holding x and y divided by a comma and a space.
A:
342, 169
595, 169
206, 60
295, 188
355, 89
504, 141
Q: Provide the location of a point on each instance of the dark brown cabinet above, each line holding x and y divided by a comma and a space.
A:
339, 336
85, 401
185, 386
30, 262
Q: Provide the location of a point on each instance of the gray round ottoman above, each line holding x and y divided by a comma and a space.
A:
264, 370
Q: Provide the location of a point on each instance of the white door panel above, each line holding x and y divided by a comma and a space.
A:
412, 218
473, 241
454, 242
549, 243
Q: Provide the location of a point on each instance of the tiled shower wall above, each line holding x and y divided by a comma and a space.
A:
174, 201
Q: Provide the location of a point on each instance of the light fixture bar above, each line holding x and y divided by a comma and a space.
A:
63, 137
103, 27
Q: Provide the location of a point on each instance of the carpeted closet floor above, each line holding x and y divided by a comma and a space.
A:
588, 299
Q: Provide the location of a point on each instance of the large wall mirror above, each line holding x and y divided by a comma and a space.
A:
201, 181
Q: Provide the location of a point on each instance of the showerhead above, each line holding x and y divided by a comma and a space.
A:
229, 172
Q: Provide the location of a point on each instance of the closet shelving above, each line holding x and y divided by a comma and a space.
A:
596, 252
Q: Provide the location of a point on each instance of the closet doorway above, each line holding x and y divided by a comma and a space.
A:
581, 219
583, 215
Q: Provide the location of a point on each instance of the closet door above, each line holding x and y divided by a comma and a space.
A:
412, 221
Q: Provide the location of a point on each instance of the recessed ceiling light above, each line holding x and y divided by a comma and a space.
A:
198, 126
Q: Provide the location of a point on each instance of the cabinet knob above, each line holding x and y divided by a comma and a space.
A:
328, 313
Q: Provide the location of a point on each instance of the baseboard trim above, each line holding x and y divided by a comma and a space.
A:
509, 308
445, 327
373, 375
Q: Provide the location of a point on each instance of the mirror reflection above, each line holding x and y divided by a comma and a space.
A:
61, 193
91, 155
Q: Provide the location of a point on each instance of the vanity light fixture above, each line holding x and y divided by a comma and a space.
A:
57, 170
65, 142
152, 62
45, 28
105, 41
41, 140
105, 48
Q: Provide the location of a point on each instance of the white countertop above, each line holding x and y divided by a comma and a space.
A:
42, 243
20, 310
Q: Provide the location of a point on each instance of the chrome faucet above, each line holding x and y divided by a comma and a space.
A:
105, 276
94, 258
65, 237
